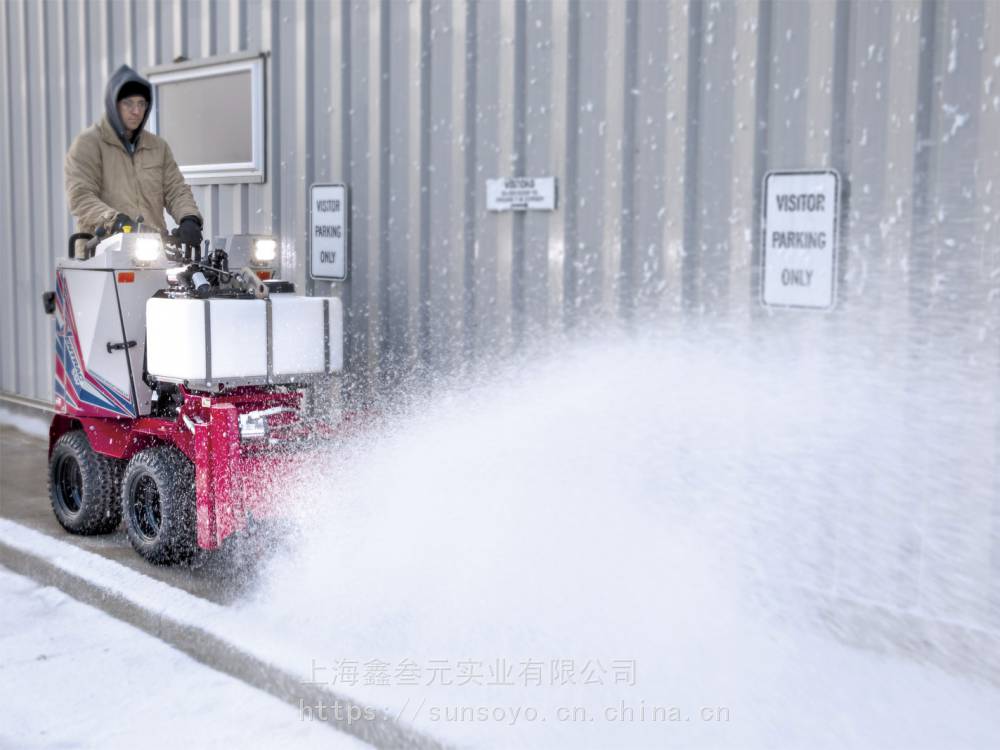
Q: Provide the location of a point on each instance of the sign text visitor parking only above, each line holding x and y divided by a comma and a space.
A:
800, 227
328, 232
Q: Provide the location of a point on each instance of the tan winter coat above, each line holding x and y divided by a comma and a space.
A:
104, 180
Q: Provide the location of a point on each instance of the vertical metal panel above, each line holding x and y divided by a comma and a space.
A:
22, 177
645, 266
46, 162
380, 190
260, 200
508, 258
60, 87
470, 140
113, 24
569, 15
675, 126
551, 314
627, 153
619, 112
320, 62
66, 91
355, 172
896, 226
988, 186
742, 221
541, 155
954, 204
292, 134
590, 119
715, 125
490, 254
227, 205
988, 190
401, 87
866, 135
954, 573
369, 169
144, 41
10, 100
419, 124
692, 197
790, 84
97, 58
862, 151
445, 103
167, 20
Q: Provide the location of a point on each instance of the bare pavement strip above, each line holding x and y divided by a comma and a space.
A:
177, 605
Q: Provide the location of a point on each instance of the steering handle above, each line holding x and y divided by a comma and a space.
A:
72, 241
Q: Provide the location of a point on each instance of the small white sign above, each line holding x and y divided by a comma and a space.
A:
800, 225
328, 232
521, 194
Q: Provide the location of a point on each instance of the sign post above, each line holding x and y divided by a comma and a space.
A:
800, 226
328, 232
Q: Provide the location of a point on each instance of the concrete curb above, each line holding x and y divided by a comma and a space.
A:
384, 731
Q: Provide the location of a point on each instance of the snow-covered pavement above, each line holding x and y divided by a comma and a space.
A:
71, 676
621, 548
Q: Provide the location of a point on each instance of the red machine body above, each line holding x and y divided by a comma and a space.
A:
148, 439
233, 478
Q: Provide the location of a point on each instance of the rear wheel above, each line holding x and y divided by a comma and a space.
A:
84, 486
158, 497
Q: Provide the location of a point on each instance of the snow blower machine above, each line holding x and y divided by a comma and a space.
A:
181, 387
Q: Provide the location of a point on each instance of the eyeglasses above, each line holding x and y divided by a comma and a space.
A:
135, 105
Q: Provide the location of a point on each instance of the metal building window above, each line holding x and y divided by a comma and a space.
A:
211, 112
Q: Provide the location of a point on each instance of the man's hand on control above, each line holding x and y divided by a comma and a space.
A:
189, 230
121, 221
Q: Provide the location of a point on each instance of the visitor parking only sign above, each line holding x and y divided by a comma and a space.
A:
328, 232
800, 228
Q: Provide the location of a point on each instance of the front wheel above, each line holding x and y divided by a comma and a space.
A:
158, 498
83, 486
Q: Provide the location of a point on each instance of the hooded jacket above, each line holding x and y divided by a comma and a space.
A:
108, 173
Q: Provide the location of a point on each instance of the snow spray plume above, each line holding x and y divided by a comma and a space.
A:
713, 507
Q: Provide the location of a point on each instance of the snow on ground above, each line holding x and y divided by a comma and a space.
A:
71, 676
609, 548
609, 526
36, 425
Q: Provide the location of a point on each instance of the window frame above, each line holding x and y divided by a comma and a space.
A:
248, 172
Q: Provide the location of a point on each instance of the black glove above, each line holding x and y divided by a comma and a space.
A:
121, 221
189, 230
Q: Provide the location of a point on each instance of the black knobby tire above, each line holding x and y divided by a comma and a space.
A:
84, 486
158, 498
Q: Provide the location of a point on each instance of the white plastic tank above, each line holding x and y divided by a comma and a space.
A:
203, 342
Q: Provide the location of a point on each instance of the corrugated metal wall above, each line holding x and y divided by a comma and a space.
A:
658, 119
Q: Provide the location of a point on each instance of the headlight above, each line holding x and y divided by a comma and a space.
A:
147, 250
264, 250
